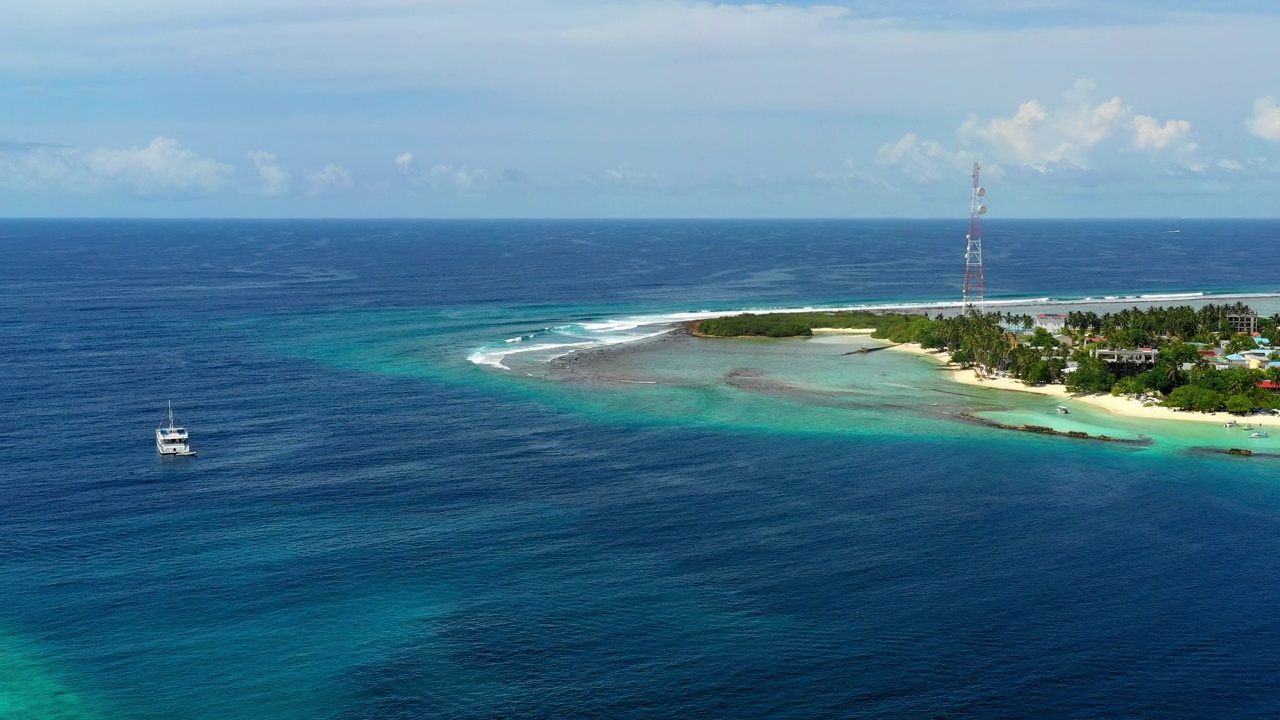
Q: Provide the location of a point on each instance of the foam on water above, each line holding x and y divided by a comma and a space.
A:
631, 328
564, 339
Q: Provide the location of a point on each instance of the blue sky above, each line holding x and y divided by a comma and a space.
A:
639, 108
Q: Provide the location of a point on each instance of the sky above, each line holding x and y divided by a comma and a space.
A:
639, 108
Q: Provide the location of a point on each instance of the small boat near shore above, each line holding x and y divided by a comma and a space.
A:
172, 439
1259, 434
1062, 410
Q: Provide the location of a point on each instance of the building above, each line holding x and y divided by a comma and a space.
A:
1246, 324
1055, 323
1123, 363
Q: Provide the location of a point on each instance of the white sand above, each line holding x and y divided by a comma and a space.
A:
1126, 406
844, 331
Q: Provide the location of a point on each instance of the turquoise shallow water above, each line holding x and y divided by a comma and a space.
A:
812, 385
378, 526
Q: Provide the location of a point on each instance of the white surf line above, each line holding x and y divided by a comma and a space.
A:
668, 321
495, 358
956, 304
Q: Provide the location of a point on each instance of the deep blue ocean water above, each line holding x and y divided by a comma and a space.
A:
377, 528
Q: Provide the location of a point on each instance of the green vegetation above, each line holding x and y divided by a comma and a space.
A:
1181, 376
779, 325
1091, 376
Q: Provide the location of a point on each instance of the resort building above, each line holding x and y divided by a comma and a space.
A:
1123, 363
1053, 322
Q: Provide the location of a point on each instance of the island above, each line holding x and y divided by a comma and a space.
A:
1202, 361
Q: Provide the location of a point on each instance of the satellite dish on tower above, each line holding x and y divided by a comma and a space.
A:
982, 191
982, 209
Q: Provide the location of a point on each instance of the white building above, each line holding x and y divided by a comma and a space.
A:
1055, 323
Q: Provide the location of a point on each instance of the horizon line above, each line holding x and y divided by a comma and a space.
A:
588, 218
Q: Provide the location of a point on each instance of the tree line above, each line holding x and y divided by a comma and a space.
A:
1003, 343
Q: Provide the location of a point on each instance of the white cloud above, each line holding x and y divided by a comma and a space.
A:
1231, 165
922, 160
332, 177
1149, 134
31, 166
444, 177
783, 55
1066, 139
1265, 122
275, 180
448, 177
1037, 136
163, 167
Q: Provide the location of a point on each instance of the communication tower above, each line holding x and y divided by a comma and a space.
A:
973, 283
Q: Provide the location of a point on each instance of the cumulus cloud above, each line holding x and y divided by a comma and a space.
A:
1038, 136
1149, 134
331, 178
443, 177
163, 167
922, 160
1265, 122
1060, 139
456, 178
275, 180
34, 166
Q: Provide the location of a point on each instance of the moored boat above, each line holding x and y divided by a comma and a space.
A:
172, 439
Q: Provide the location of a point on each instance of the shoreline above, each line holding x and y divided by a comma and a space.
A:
691, 327
1115, 405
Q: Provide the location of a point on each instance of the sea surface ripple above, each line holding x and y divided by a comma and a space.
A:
376, 527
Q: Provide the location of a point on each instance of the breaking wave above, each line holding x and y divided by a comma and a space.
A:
552, 342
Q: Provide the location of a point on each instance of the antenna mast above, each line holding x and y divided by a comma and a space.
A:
973, 282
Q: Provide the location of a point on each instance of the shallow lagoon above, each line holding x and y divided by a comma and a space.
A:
825, 385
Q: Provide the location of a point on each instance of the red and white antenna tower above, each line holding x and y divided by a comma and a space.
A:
973, 283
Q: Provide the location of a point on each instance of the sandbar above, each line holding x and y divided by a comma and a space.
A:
843, 331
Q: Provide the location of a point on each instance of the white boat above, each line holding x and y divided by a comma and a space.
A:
1258, 435
1062, 410
172, 439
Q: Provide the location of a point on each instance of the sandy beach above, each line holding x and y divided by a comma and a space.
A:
843, 331
1122, 405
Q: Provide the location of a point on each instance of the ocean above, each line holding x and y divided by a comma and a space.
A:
405, 507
